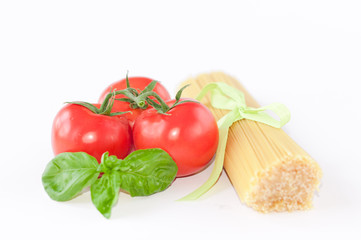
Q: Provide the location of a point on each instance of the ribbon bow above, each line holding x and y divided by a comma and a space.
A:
226, 97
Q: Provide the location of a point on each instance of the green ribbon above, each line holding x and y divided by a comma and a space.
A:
226, 97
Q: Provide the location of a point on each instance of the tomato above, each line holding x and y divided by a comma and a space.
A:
77, 129
188, 132
138, 83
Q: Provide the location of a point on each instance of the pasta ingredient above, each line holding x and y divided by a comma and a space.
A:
269, 171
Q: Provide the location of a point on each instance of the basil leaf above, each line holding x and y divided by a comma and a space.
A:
109, 163
68, 174
147, 171
104, 192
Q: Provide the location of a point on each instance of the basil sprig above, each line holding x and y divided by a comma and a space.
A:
141, 173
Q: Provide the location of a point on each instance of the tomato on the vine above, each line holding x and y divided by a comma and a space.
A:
138, 83
77, 129
188, 132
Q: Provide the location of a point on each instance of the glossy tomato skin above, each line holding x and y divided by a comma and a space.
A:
138, 83
77, 129
189, 134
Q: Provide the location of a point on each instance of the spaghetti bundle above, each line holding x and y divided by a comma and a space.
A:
268, 170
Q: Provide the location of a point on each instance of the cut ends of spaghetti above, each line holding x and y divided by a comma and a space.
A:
287, 186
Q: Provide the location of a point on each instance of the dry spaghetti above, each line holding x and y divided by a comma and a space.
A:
269, 171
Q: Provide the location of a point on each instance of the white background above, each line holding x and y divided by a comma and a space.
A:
305, 54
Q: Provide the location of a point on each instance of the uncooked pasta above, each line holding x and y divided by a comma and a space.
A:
269, 170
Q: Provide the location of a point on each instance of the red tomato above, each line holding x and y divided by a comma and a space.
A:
77, 129
188, 132
138, 83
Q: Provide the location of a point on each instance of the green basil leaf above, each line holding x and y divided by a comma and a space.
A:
104, 192
144, 172
68, 174
109, 163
